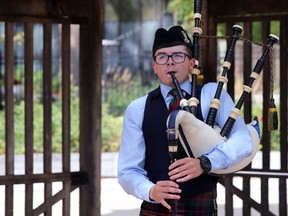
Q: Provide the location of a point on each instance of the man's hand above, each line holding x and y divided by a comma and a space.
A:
165, 190
185, 169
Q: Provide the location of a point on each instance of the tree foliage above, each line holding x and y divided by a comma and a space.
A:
183, 11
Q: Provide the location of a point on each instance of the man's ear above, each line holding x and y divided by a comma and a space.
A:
153, 65
192, 62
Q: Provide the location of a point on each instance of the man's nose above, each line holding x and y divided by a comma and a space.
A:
170, 60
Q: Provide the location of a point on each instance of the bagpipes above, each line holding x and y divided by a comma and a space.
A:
200, 137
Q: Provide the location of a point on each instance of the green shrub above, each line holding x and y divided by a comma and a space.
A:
111, 128
122, 89
2, 147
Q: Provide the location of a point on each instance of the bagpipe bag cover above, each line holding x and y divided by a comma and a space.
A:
202, 138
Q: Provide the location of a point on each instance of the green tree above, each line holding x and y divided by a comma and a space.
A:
183, 11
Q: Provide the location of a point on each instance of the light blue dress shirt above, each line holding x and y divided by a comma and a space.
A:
131, 174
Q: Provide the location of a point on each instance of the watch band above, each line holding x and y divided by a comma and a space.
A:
205, 164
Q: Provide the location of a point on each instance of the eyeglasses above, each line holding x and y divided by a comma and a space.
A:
177, 57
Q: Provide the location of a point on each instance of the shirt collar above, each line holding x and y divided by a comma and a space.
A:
186, 86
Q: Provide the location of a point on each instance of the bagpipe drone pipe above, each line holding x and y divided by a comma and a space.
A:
200, 137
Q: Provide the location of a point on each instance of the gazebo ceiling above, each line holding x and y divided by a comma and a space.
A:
52, 8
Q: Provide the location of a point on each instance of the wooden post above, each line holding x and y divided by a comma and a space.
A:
90, 109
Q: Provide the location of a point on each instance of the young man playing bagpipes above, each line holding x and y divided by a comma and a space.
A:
186, 185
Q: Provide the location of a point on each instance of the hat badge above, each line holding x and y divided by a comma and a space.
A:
185, 37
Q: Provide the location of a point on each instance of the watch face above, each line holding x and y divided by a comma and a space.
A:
205, 164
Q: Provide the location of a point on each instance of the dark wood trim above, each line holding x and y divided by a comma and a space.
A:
249, 201
74, 178
47, 8
283, 115
46, 20
246, 7
251, 18
61, 195
9, 111
29, 140
47, 108
66, 112
90, 109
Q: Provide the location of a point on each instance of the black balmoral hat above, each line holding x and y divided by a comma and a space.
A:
175, 36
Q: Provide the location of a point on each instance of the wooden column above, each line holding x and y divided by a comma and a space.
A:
90, 109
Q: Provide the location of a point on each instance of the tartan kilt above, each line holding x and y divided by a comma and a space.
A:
202, 205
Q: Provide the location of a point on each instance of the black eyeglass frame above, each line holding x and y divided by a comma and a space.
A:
171, 56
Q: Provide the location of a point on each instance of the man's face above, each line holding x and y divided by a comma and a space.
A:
181, 70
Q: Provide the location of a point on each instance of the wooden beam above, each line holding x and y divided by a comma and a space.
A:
29, 142
90, 108
9, 115
51, 8
246, 7
75, 178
